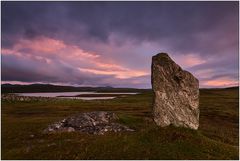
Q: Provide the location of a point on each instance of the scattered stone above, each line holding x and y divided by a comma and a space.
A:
70, 129
31, 136
98, 122
52, 144
11, 97
176, 94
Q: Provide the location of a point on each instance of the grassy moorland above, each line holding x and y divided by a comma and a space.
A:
217, 138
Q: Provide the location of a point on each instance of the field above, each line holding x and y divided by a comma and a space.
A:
22, 124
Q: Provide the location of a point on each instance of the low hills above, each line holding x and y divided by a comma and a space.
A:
33, 88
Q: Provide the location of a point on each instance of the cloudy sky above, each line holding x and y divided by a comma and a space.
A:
111, 43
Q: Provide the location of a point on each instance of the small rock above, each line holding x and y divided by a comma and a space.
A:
32, 136
70, 129
52, 144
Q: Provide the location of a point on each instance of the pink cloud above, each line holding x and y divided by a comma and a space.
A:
188, 60
10, 52
118, 74
48, 50
204, 73
41, 44
221, 82
44, 45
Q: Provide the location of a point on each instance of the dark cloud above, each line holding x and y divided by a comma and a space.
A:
14, 69
149, 21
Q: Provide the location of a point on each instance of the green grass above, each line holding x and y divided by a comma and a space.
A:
217, 137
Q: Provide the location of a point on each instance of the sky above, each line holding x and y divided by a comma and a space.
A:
112, 43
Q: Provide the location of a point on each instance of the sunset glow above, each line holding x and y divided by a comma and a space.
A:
221, 83
117, 74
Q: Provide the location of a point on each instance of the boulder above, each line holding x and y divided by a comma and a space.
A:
176, 94
97, 122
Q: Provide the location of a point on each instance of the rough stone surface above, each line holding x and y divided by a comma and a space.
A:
98, 122
176, 94
10, 97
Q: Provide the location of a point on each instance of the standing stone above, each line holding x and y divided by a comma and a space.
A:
176, 94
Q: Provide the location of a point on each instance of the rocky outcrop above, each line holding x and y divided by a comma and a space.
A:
176, 94
10, 97
98, 122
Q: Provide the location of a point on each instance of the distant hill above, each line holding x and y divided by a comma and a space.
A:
235, 87
226, 88
33, 88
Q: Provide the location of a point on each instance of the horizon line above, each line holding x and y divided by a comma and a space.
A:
105, 86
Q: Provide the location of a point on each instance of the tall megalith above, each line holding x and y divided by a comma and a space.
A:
176, 94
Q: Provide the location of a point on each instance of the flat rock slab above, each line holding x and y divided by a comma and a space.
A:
97, 122
176, 94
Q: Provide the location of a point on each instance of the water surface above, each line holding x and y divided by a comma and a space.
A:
70, 95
